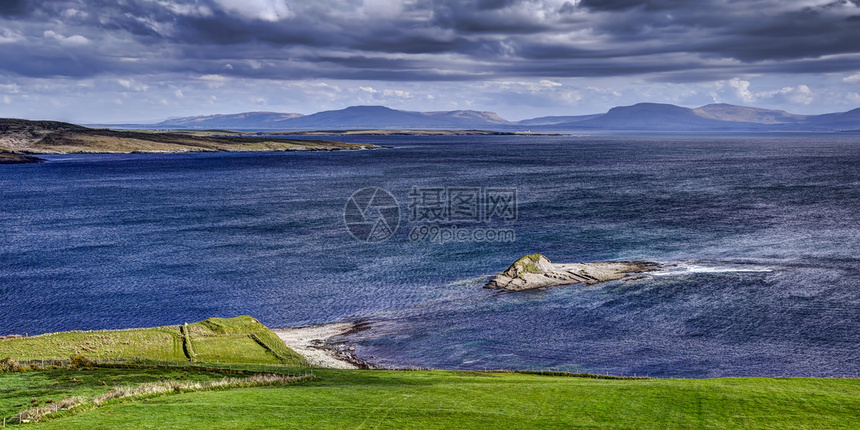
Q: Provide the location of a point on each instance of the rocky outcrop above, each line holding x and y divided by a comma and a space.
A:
536, 271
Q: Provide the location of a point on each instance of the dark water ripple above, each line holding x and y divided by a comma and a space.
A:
112, 241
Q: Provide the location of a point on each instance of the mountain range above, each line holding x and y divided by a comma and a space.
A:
642, 116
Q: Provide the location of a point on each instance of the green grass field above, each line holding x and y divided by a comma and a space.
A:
347, 399
19, 391
463, 400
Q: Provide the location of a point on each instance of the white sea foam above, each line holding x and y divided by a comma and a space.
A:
681, 268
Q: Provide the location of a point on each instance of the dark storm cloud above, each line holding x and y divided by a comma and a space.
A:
799, 34
494, 4
613, 5
398, 43
648, 5
223, 29
13, 7
427, 39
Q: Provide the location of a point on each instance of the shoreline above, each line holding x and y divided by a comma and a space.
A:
30, 156
365, 147
315, 344
51, 137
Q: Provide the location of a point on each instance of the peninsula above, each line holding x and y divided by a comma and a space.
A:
536, 271
19, 137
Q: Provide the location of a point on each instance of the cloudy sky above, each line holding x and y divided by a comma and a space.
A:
134, 60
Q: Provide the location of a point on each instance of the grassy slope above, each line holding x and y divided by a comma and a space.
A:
239, 340
383, 399
235, 340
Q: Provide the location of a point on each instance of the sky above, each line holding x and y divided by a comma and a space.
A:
147, 60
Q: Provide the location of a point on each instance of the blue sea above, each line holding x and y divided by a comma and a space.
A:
759, 236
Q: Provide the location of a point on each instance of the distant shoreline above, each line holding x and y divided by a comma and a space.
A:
30, 158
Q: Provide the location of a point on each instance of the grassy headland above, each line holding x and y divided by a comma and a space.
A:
49, 137
215, 340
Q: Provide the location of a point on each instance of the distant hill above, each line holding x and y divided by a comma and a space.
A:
355, 117
842, 121
239, 120
713, 117
364, 117
462, 117
648, 116
726, 112
642, 116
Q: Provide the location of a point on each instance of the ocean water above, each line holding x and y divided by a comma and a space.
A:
759, 235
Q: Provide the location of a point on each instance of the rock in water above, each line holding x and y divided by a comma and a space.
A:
536, 271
